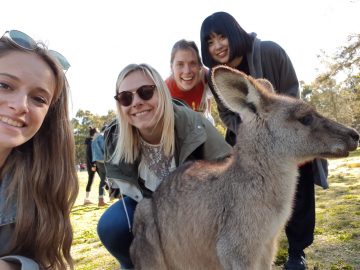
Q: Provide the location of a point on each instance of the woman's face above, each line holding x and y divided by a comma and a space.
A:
27, 86
186, 69
140, 113
219, 50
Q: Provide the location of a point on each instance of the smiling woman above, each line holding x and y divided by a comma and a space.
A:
150, 138
38, 182
187, 81
28, 93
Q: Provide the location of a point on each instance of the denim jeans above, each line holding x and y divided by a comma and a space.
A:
114, 232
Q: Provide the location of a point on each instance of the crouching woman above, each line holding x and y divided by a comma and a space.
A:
150, 138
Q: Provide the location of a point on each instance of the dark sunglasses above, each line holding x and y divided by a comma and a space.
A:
126, 98
24, 41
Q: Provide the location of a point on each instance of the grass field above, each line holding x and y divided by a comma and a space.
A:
337, 236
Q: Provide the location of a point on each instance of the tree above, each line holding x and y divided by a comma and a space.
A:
81, 123
336, 91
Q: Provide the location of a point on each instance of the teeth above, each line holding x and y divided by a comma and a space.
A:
141, 113
11, 122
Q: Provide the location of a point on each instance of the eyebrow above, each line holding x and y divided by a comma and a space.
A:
9, 75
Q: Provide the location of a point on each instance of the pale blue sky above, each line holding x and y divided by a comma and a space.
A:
99, 38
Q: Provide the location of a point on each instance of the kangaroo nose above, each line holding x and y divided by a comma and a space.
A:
354, 135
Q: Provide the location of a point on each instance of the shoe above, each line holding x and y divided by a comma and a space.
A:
87, 202
296, 262
102, 202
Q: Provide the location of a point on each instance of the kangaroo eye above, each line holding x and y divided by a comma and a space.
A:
306, 120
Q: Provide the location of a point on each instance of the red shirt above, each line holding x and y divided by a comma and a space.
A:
192, 97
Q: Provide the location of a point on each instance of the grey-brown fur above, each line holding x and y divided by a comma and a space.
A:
227, 214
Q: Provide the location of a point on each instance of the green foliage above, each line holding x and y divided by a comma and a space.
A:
81, 123
336, 91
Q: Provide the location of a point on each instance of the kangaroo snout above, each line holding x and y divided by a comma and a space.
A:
355, 136
345, 147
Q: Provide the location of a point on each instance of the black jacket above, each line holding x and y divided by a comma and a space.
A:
89, 161
268, 60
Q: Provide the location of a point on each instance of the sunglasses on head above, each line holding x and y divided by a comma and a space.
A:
24, 41
145, 92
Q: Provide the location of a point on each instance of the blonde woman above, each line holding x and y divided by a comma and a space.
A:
38, 182
150, 138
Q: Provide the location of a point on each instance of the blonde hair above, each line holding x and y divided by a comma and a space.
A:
44, 179
128, 141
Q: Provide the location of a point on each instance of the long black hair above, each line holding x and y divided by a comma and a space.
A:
222, 23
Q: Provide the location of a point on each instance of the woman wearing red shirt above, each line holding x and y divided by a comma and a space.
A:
187, 81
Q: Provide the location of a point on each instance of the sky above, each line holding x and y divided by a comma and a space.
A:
99, 38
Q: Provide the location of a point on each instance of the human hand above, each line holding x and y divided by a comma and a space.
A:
93, 168
4, 265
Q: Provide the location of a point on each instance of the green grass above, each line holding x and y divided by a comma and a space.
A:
337, 234
87, 250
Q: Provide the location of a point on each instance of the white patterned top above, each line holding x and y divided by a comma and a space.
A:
154, 165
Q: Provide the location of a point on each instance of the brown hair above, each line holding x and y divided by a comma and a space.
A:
186, 45
43, 178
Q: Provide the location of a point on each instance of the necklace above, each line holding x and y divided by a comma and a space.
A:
155, 159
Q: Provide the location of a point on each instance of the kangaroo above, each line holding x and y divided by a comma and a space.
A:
227, 214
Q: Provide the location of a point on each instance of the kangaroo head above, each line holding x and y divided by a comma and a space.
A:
280, 125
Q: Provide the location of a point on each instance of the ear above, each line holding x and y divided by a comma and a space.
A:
236, 89
266, 84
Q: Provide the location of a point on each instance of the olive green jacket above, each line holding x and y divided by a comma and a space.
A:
195, 138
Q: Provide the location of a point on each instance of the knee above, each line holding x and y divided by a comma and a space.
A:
115, 235
107, 229
113, 225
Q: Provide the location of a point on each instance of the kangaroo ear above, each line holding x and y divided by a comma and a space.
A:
266, 84
235, 89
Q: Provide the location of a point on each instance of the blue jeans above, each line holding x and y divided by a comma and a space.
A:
113, 230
